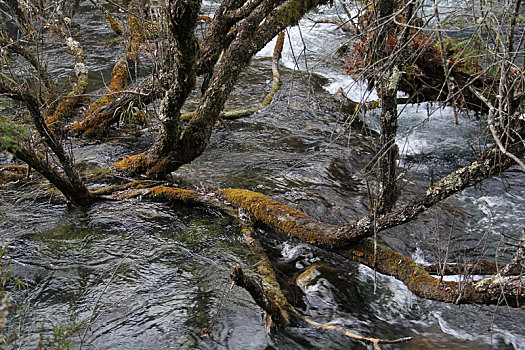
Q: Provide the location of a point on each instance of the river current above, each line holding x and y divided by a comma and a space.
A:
138, 275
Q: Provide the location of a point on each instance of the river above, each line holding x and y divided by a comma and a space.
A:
149, 276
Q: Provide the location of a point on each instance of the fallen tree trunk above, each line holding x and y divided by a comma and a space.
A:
258, 278
298, 225
494, 290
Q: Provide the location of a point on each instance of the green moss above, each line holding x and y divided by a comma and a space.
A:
115, 188
136, 29
281, 217
99, 175
195, 235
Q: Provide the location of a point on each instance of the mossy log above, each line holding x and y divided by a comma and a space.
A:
151, 191
262, 283
61, 109
96, 122
298, 225
58, 112
106, 191
99, 118
421, 283
263, 286
481, 267
283, 218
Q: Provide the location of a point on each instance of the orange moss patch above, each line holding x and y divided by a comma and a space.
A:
114, 25
206, 18
20, 169
186, 117
132, 163
311, 274
158, 167
143, 189
119, 81
165, 193
92, 125
283, 218
63, 110
96, 122
140, 163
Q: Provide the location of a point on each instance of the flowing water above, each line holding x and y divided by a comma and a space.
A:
139, 275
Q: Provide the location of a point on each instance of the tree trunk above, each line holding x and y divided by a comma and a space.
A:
171, 151
177, 79
386, 81
295, 224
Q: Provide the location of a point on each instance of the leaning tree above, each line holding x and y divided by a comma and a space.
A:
399, 46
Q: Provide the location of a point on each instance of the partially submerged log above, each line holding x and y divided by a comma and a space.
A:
295, 224
283, 218
263, 286
97, 119
298, 225
481, 267
422, 284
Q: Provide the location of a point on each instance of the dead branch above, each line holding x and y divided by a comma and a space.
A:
113, 24
276, 85
374, 341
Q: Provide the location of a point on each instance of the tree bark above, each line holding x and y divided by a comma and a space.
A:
386, 82
177, 79
263, 210
72, 187
257, 29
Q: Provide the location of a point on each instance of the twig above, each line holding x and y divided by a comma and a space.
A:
206, 332
490, 119
368, 340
